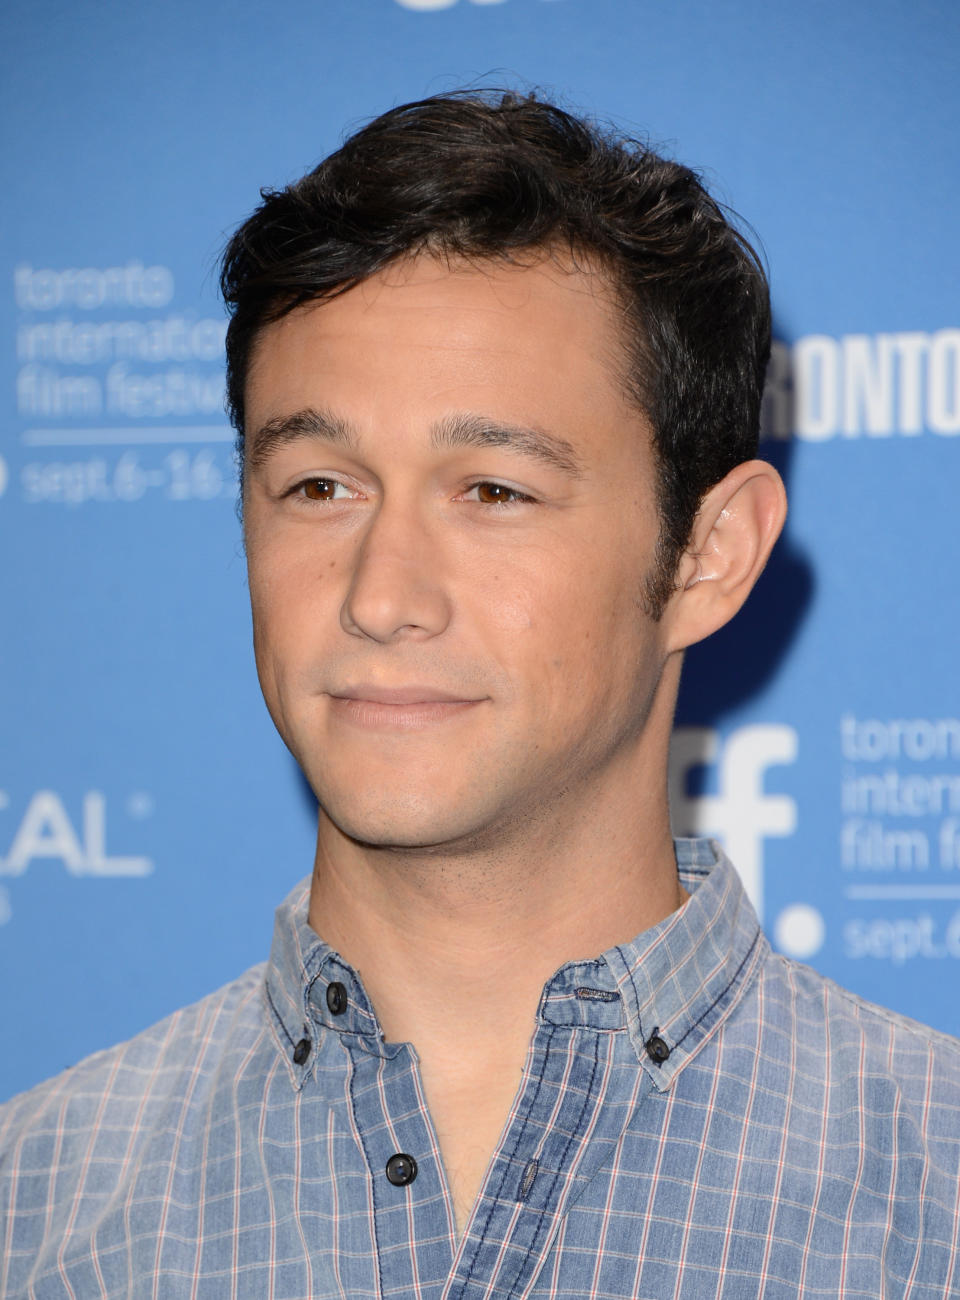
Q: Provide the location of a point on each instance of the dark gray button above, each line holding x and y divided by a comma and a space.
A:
401, 1169
657, 1049
336, 998
301, 1051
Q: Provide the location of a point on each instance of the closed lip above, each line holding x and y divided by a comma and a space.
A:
402, 695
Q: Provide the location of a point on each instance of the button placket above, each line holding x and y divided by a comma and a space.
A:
402, 1158
558, 1136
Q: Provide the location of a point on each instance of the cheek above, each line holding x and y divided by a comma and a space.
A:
512, 614
288, 603
287, 569
588, 641
547, 624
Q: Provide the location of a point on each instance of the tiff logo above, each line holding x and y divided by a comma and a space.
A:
741, 814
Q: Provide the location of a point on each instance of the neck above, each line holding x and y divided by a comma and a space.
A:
466, 924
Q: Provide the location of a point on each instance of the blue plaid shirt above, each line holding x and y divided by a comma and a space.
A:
697, 1117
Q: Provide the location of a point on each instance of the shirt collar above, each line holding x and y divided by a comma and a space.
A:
682, 977
669, 987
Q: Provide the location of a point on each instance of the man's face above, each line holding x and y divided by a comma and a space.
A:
450, 515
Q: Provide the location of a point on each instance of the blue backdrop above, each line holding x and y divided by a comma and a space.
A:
150, 819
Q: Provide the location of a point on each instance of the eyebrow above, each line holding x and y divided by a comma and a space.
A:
453, 431
480, 431
309, 423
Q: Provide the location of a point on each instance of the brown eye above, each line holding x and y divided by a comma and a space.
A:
320, 489
495, 494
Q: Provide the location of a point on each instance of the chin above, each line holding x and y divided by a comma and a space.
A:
417, 822
402, 823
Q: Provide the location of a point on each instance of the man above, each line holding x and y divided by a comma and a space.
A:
496, 379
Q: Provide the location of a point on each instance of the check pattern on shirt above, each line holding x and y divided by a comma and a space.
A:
794, 1141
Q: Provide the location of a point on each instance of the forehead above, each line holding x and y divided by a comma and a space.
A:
430, 331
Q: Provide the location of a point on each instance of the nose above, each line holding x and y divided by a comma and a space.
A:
397, 590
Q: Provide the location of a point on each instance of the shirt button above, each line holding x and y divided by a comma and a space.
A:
336, 998
657, 1049
301, 1051
401, 1169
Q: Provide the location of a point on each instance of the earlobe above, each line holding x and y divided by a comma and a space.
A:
736, 526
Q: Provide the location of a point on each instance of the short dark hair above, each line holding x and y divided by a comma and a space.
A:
491, 174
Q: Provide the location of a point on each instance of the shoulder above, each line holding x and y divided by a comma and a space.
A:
848, 1052
843, 1017
123, 1089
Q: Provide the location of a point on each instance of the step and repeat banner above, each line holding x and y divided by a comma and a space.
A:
150, 819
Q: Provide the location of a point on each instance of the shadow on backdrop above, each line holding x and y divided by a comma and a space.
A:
722, 673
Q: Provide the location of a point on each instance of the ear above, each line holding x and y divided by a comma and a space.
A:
736, 526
